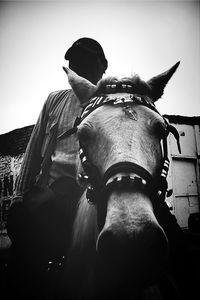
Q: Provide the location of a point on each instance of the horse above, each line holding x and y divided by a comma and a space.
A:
124, 235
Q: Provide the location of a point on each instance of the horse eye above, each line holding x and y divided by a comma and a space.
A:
84, 135
160, 129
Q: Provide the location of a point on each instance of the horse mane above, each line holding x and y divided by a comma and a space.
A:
85, 227
139, 86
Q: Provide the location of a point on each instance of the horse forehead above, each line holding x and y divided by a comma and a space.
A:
133, 114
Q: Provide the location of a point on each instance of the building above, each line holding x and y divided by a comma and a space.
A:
184, 172
13, 145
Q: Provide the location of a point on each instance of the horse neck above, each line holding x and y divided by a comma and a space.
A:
84, 227
80, 262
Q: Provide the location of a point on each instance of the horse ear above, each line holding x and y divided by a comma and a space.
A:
157, 84
82, 87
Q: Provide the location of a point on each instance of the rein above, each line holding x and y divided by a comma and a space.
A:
123, 174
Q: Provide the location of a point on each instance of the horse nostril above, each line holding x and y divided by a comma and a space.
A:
109, 247
145, 250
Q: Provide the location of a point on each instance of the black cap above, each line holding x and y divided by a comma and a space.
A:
89, 45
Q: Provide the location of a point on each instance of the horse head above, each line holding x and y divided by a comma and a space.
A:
123, 154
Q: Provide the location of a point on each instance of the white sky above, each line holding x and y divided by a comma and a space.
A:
144, 37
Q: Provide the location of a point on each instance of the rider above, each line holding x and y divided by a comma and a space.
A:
41, 210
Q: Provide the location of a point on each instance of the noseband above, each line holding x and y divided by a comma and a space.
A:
123, 174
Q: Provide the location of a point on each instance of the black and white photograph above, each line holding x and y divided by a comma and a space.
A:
100, 149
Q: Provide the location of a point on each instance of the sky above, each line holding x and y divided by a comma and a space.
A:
142, 37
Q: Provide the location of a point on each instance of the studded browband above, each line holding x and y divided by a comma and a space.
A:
112, 99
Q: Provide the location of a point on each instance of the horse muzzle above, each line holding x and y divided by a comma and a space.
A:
131, 241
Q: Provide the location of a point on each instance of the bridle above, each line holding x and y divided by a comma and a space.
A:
123, 174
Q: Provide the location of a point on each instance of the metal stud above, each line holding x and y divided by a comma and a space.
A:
118, 179
84, 159
144, 182
80, 151
164, 173
83, 176
166, 163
